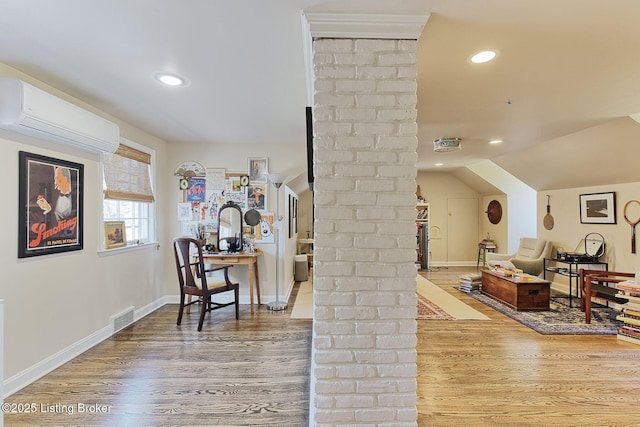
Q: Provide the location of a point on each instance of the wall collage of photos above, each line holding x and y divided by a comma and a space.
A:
206, 190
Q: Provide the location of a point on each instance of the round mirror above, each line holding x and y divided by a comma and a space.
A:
230, 228
252, 218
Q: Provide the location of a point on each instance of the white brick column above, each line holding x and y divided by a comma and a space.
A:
363, 355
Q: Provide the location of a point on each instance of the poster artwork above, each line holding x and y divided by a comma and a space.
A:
50, 205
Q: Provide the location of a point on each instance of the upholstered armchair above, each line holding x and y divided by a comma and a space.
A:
529, 257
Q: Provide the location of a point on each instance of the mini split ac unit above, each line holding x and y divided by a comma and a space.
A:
31, 111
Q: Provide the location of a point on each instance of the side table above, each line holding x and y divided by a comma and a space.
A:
483, 248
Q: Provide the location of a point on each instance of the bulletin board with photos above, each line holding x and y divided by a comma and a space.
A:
207, 193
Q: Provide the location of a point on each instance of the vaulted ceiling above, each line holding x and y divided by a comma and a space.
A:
559, 94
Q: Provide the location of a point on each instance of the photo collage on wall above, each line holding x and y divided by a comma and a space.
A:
210, 188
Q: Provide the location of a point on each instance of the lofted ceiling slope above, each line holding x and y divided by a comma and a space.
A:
559, 93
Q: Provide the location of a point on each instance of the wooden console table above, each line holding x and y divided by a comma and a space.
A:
242, 258
517, 294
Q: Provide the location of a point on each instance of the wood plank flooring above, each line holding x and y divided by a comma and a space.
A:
501, 373
255, 372
251, 372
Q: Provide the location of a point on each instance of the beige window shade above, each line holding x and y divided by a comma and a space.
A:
126, 175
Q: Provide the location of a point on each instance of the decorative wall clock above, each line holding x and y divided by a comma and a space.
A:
184, 184
494, 212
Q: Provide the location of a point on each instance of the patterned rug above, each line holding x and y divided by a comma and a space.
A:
430, 311
560, 319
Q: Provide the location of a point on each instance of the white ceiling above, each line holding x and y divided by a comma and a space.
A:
566, 78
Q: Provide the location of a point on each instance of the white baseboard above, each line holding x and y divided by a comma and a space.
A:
454, 264
40, 369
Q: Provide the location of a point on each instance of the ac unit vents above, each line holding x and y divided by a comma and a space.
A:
447, 144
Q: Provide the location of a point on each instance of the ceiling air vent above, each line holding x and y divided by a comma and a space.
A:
447, 144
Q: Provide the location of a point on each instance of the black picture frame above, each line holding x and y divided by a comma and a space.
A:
50, 204
290, 216
598, 208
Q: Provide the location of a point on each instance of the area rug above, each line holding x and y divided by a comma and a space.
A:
303, 306
559, 320
433, 303
429, 311
443, 301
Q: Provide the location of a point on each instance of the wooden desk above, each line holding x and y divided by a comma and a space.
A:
242, 258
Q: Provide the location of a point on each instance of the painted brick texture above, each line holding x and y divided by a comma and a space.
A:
364, 345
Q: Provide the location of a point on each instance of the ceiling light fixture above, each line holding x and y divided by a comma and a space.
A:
447, 144
483, 56
170, 79
495, 141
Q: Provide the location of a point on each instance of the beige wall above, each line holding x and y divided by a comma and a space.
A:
57, 305
437, 188
283, 158
568, 230
497, 232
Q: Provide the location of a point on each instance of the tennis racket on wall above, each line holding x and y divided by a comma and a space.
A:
632, 216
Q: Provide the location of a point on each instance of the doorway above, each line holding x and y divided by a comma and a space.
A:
462, 231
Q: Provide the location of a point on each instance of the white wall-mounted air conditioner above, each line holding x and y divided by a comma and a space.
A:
31, 111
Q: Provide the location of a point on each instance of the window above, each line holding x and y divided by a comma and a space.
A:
128, 190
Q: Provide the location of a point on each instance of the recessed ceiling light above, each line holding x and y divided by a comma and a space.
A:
170, 79
495, 141
483, 56
439, 164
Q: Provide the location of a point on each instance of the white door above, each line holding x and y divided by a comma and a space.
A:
462, 231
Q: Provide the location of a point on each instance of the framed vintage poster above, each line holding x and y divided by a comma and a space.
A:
50, 217
598, 208
258, 169
115, 235
257, 196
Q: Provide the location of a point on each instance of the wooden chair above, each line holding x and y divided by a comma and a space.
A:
193, 279
601, 276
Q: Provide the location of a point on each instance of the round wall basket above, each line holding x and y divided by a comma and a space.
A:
494, 212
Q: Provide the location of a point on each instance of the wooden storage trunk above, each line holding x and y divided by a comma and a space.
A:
519, 295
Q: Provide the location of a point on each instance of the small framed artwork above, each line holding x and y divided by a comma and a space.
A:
290, 216
267, 228
258, 169
295, 215
50, 218
598, 208
115, 235
257, 196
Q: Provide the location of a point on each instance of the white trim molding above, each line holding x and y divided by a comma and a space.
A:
365, 25
355, 26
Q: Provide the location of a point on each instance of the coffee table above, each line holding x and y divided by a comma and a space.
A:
517, 294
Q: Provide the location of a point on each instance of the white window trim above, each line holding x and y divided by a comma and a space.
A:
152, 243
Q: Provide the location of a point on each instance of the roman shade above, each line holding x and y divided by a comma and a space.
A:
126, 175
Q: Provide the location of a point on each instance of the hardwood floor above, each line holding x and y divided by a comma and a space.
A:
501, 373
255, 372
251, 372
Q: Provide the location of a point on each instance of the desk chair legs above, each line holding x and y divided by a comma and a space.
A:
207, 307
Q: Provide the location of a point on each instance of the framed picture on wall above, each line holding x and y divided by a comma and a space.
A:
598, 208
115, 235
257, 195
258, 169
50, 202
